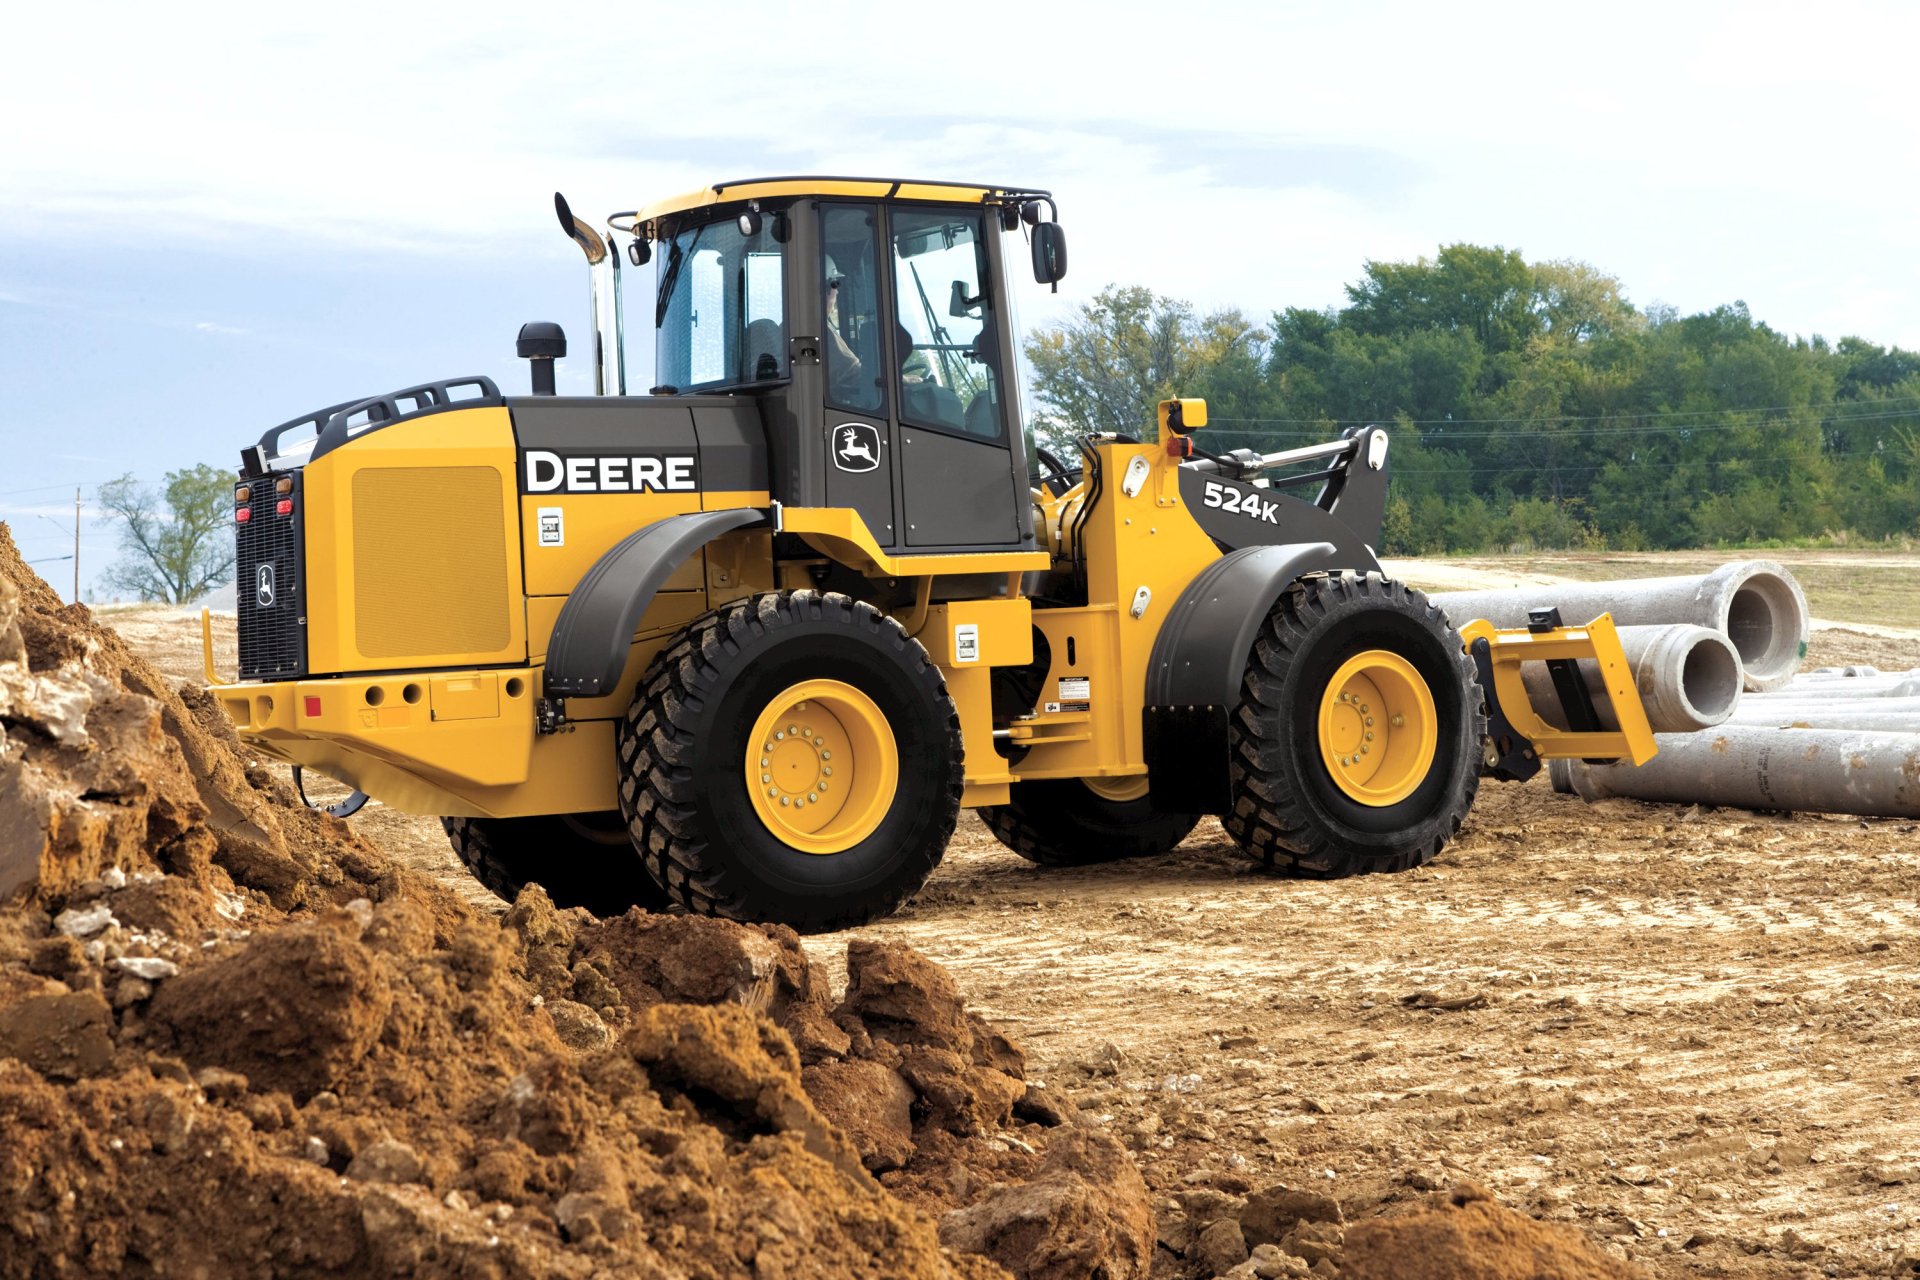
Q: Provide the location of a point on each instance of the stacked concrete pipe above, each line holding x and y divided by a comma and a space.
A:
1830, 742
1753, 767
1756, 604
1876, 702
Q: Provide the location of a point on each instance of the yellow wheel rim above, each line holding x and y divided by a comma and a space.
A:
1378, 730
1119, 789
821, 766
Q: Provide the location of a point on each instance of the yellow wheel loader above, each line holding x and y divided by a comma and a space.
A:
747, 643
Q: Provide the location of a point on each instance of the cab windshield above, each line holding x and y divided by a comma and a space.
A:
718, 309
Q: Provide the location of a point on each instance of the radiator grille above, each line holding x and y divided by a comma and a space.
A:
270, 591
429, 562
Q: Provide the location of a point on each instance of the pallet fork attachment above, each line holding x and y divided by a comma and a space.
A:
1519, 738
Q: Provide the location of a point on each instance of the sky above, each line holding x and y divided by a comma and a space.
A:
217, 218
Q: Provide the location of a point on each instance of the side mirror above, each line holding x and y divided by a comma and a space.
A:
959, 304
639, 252
1049, 253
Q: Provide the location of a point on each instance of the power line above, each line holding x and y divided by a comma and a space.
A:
71, 484
1650, 429
1592, 417
1546, 468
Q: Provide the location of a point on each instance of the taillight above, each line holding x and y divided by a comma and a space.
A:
284, 506
243, 515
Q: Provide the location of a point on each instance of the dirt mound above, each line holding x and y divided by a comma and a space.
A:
236, 1039
1464, 1235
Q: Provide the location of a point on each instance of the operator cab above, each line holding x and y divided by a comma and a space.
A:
868, 319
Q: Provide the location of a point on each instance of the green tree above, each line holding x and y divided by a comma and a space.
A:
1488, 293
1130, 348
1576, 303
175, 543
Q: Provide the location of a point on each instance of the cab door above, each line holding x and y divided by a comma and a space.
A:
959, 482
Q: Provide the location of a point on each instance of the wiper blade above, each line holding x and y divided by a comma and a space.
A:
671, 276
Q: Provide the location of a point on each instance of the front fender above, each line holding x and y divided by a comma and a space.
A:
1200, 657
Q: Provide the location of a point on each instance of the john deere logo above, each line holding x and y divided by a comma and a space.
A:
263, 586
856, 447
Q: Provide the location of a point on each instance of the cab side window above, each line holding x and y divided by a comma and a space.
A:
949, 373
849, 287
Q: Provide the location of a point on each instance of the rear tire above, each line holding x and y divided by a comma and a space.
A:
581, 860
1065, 823
1298, 806
817, 698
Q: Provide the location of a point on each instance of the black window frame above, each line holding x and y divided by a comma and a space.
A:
989, 281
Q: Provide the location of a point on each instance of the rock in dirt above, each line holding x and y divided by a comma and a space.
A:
1273, 1212
1084, 1213
1464, 1235
296, 1010
63, 1037
1221, 1245
385, 1161
871, 1103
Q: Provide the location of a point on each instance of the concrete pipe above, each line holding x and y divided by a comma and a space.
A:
1859, 716
1754, 603
1827, 692
1815, 770
1688, 678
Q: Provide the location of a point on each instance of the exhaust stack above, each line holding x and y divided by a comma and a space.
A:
603, 296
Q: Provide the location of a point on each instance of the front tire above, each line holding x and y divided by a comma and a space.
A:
1069, 823
793, 758
1356, 744
580, 859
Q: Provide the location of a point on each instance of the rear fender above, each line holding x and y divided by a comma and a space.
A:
596, 625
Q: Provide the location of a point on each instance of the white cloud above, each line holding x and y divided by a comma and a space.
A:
222, 330
1226, 152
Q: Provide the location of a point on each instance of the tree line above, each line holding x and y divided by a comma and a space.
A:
1531, 406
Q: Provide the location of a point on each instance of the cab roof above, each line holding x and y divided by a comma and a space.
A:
820, 185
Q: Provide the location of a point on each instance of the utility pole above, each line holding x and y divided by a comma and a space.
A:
76, 544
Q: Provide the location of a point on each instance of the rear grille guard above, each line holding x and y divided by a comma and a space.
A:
270, 571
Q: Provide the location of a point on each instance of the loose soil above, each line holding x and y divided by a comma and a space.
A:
1687, 1032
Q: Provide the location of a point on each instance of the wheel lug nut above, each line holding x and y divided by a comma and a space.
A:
766, 777
827, 755
828, 772
1397, 721
792, 729
1369, 737
813, 799
1369, 722
779, 737
772, 792
784, 802
764, 762
823, 786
